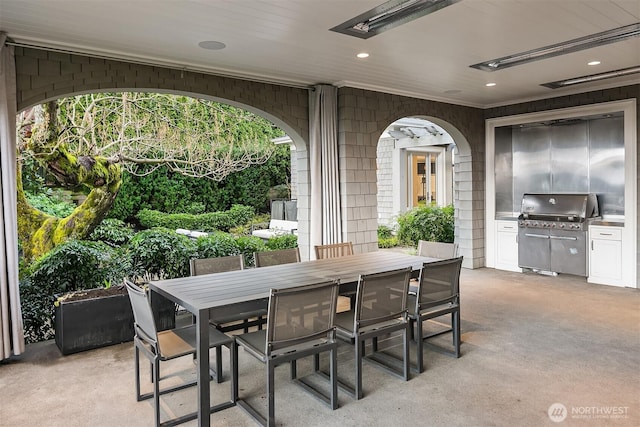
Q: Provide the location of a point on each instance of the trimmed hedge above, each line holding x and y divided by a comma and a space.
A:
223, 221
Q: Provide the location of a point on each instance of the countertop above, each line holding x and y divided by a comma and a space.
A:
608, 222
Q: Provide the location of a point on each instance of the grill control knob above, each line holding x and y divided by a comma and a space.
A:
561, 225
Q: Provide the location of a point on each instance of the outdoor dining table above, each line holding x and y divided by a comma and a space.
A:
199, 294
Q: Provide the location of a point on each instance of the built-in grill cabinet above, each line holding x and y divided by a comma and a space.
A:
552, 232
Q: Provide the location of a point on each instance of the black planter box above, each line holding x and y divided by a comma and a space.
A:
101, 321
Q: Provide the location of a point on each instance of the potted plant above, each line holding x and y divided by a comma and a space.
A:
94, 318
67, 295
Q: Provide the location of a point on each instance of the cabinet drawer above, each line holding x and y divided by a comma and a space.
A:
508, 226
609, 233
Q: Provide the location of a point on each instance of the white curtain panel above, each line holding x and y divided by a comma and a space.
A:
12, 338
325, 222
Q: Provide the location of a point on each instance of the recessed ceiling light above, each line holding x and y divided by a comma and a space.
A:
490, 84
362, 55
212, 45
593, 63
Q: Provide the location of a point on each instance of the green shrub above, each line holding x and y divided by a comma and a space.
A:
247, 246
50, 203
165, 191
161, 252
196, 208
216, 245
113, 232
284, 241
429, 223
70, 266
384, 232
388, 242
212, 221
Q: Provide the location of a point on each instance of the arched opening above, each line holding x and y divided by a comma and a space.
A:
423, 160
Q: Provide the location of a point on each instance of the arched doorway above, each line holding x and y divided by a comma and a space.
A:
414, 166
423, 159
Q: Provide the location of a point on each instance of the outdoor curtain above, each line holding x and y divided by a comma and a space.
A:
325, 224
12, 334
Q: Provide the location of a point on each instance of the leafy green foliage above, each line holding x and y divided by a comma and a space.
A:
216, 245
386, 239
170, 192
161, 252
429, 223
284, 241
113, 232
50, 203
384, 232
247, 246
71, 266
33, 180
237, 215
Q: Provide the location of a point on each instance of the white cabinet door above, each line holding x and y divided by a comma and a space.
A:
507, 246
605, 255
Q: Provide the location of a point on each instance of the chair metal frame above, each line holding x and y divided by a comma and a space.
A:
334, 250
168, 345
425, 309
396, 283
273, 350
226, 318
282, 256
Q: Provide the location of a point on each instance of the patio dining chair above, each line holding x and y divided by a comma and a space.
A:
438, 294
167, 345
380, 309
334, 250
440, 250
226, 318
288, 338
282, 256
337, 250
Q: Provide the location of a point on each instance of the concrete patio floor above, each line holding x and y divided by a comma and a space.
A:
529, 341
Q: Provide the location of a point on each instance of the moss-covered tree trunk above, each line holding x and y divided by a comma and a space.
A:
39, 232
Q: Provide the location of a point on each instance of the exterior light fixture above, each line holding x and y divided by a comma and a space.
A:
389, 15
593, 77
575, 45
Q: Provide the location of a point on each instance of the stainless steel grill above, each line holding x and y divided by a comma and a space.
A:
552, 232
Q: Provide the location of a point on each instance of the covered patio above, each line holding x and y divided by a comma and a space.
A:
529, 341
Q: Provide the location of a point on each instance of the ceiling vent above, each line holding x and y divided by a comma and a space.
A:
389, 15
